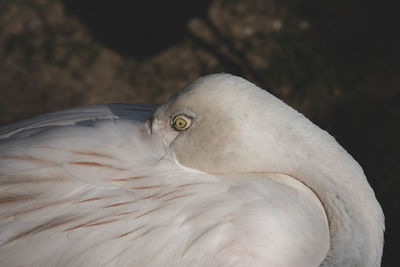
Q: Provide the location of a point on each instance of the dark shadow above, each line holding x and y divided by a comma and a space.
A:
358, 42
137, 28
356, 38
140, 112
141, 29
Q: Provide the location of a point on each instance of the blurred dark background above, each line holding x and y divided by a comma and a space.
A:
336, 61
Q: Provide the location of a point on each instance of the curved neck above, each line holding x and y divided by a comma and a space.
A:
355, 217
303, 150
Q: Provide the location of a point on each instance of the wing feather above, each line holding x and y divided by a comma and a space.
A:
80, 116
103, 193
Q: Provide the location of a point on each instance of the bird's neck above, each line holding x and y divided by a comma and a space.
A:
311, 155
355, 217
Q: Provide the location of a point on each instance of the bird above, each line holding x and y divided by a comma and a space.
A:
221, 174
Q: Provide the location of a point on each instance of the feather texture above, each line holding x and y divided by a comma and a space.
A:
244, 181
105, 194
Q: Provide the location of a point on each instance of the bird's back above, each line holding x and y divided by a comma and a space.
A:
96, 190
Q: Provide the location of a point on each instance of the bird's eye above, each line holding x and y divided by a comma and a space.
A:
181, 122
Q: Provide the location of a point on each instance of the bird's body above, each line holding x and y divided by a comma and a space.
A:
96, 186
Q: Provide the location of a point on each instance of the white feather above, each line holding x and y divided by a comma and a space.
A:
91, 186
105, 194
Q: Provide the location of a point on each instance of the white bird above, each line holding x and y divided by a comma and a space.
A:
222, 174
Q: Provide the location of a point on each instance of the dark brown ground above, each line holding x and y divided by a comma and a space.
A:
335, 61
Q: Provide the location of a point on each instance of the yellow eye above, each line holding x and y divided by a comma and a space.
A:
181, 122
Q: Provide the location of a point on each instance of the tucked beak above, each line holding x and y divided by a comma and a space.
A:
149, 124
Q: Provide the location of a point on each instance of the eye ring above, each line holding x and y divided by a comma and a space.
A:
181, 122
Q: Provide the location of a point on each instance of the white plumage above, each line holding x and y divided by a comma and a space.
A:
250, 182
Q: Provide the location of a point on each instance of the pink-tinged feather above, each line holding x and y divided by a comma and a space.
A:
29, 158
130, 232
127, 179
96, 164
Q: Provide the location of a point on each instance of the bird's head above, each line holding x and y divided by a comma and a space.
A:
223, 123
